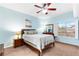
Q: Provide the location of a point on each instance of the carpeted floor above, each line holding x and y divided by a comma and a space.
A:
59, 50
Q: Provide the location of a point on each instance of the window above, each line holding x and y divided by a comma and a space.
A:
66, 30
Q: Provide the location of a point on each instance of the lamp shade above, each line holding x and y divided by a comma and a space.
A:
18, 34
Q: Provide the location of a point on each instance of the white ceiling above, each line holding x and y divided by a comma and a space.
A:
29, 8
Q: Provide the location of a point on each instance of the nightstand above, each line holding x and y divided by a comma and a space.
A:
18, 42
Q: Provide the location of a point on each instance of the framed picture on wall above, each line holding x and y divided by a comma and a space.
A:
67, 30
49, 28
28, 23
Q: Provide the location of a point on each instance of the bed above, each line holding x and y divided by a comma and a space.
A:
37, 41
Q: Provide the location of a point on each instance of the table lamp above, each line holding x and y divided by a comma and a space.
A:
18, 35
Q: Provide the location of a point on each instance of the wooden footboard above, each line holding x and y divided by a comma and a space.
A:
40, 52
46, 47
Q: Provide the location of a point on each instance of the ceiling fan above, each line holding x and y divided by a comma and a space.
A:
45, 8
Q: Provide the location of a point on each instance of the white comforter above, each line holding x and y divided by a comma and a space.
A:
39, 40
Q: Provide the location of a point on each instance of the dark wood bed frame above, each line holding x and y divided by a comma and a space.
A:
40, 53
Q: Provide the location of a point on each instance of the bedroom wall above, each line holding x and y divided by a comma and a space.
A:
11, 22
65, 19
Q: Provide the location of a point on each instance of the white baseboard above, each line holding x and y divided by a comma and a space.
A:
8, 45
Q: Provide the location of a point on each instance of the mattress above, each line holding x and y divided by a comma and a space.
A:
38, 41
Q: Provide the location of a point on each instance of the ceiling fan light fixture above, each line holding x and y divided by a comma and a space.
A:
44, 11
45, 8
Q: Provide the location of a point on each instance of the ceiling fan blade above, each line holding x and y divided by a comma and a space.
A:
48, 4
51, 8
39, 11
44, 5
37, 6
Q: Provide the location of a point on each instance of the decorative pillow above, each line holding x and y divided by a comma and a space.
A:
25, 32
30, 32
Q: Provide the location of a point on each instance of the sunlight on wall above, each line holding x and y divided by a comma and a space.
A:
42, 26
13, 26
75, 10
61, 25
43, 21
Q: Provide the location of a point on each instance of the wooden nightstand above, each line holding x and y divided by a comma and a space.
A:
18, 42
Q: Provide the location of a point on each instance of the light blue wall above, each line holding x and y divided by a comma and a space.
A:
65, 19
10, 22
68, 40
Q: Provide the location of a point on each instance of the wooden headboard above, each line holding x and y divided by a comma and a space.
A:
22, 31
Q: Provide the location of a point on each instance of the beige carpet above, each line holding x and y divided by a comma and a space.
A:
59, 50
